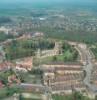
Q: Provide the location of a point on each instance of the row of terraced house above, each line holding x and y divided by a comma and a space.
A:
63, 77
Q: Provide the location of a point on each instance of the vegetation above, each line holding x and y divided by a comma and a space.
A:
78, 36
32, 96
94, 50
25, 48
5, 20
69, 53
4, 36
8, 91
36, 72
4, 76
74, 96
34, 76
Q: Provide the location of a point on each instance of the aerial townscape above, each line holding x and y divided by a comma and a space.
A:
48, 50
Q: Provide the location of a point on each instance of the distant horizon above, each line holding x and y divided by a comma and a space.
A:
6, 4
36, 1
52, 2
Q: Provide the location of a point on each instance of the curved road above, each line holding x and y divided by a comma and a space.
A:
88, 67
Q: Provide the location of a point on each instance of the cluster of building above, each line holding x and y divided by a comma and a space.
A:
62, 22
66, 22
63, 78
9, 31
10, 78
29, 35
4, 66
94, 75
34, 91
5, 30
24, 64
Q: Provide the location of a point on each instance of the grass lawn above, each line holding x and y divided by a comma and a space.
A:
31, 96
3, 93
70, 97
61, 97
7, 92
32, 79
29, 78
67, 56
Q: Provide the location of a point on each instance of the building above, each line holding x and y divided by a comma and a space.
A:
24, 64
5, 30
63, 77
6, 66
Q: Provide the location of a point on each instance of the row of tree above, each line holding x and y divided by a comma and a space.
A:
26, 48
78, 36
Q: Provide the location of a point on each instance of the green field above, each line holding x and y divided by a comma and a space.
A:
30, 96
74, 96
61, 97
66, 57
69, 54
4, 36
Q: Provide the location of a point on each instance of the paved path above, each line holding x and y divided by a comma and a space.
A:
51, 52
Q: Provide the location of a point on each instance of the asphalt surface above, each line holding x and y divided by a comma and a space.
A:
88, 67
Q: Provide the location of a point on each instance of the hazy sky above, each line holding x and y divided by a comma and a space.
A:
20, 3
45, 0
48, 1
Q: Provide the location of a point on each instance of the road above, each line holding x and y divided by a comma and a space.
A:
51, 52
43, 89
88, 67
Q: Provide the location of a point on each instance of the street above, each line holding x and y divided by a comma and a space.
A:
88, 67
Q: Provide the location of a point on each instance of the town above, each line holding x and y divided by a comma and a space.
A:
46, 67
48, 53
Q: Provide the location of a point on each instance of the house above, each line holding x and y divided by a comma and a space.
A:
24, 64
66, 88
38, 34
5, 30
63, 77
6, 66
13, 79
62, 68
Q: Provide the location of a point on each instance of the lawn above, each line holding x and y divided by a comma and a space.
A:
75, 96
61, 97
6, 92
65, 57
29, 78
3, 93
30, 96
69, 53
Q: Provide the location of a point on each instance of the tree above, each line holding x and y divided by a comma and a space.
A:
77, 96
96, 97
20, 97
54, 58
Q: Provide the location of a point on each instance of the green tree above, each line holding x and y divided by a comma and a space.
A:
77, 96
96, 97
54, 58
